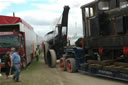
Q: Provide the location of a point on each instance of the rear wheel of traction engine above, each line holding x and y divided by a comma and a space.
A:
51, 58
71, 65
62, 64
45, 52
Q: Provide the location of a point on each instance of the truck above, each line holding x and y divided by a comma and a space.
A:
55, 41
16, 33
103, 50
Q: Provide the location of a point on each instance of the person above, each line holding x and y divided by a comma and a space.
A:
7, 64
15, 62
0, 68
37, 54
11, 68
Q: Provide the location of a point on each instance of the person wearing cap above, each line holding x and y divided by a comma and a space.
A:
15, 59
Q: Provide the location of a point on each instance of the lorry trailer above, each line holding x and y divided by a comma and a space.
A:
15, 32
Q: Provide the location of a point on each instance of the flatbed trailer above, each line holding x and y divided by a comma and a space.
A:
74, 60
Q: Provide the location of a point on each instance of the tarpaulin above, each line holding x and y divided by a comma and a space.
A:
13, 20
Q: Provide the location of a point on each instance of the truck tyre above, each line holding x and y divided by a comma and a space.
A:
51, 58
62, 64
23, 62
31, 57
71, 65
45, 52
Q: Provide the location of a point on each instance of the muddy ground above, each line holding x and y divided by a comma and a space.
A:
39, 74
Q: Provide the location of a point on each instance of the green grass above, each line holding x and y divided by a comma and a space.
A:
37, 73
26, 76
33, 66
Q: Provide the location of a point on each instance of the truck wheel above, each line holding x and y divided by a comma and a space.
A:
51, 58
31, 57
71, 65
45, 52
24, 64
62, 64
45, 59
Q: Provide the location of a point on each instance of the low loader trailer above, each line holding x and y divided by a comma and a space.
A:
103, 51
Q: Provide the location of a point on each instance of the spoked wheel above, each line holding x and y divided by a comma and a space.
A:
71, 65
62, 64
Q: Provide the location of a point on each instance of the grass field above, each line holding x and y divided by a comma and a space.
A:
34, 74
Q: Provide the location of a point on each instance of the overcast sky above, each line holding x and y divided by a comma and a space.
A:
44, 14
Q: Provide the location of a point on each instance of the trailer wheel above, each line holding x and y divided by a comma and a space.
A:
62, 64
51, 58
71, 65
45, 52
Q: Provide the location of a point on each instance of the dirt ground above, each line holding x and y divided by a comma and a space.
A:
39, 74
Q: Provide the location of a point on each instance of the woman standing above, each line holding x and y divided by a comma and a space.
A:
7, 64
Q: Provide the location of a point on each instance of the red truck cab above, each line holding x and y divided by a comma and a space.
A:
9, 40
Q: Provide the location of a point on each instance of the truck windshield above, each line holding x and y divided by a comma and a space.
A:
9, 41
